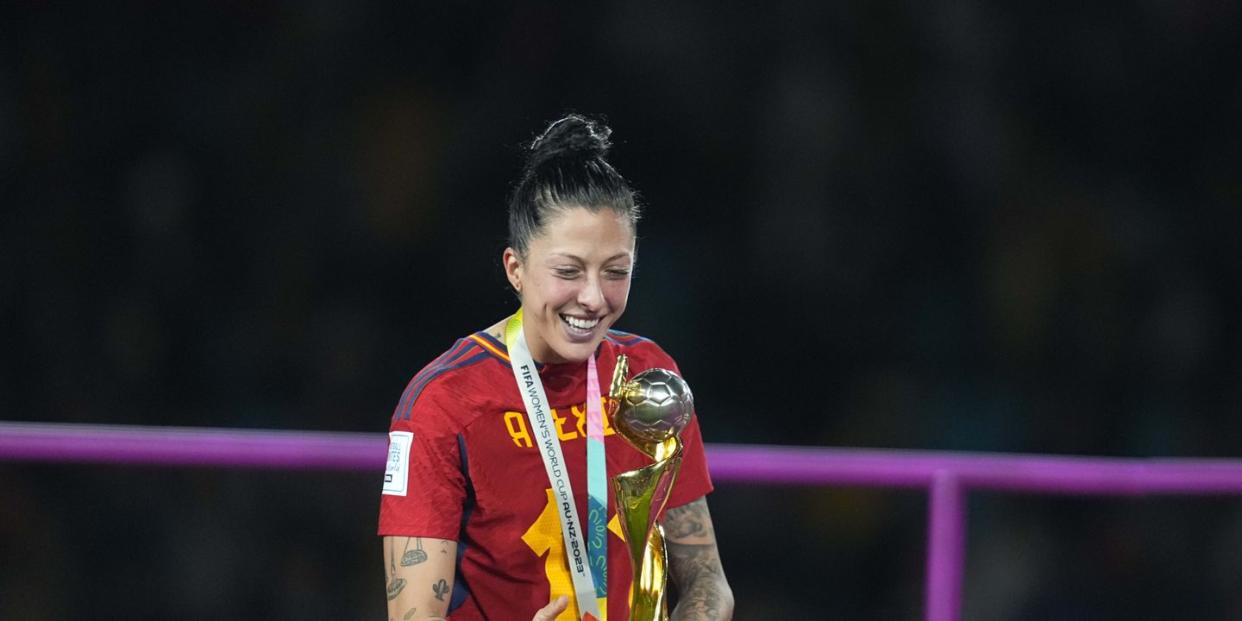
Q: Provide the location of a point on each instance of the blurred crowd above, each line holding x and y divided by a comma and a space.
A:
958, 226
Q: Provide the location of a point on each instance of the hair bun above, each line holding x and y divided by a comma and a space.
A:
574, 136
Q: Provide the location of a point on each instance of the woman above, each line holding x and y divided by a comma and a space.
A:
477, 513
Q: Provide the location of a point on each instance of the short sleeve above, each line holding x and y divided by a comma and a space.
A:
694, 481
424, 487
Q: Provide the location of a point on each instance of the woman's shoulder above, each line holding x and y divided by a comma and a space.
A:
640, 349
461, 375
627, 339
464, 353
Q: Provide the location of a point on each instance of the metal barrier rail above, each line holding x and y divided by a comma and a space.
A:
947, 476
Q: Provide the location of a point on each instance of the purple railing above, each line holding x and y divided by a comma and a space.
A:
948, 477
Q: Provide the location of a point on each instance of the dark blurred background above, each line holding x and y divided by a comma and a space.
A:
946, 225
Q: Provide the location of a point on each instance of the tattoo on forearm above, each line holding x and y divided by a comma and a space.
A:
696, 569
395, 584
694, 564
440, 588
413, 557
394, 587
688, 521
409, 613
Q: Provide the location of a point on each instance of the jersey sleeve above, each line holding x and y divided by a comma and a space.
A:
694, 481
425, 486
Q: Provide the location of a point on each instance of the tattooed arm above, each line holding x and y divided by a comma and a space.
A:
419, 574
420, 580
694, 563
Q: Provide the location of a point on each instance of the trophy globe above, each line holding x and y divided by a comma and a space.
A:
653, 406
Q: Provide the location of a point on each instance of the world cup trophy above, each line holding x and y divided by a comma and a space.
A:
649, 411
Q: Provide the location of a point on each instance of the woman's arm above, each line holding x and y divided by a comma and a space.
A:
419, 577
694, 563
420, 580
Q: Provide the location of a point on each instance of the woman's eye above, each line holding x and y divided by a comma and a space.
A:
566, 273
618, 274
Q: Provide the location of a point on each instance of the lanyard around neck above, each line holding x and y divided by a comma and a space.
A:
587, 553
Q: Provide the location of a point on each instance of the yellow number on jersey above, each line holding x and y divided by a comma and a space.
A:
544, 537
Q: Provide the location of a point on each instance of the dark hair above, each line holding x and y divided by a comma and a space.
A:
566, 166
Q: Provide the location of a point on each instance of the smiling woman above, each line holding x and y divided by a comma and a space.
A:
498, 446
573, 282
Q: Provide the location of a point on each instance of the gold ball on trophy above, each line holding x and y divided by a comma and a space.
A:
654, 406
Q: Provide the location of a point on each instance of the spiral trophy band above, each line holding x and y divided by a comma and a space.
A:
649, 411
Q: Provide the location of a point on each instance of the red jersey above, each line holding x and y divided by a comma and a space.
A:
464, 467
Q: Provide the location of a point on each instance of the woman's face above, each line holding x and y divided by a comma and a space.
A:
573, 282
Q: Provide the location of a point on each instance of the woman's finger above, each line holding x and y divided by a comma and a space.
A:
555, 607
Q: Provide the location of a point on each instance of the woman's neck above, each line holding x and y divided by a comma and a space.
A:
497, 331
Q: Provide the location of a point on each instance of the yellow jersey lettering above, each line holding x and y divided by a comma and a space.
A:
560, 427
607, 419
515, 422
515, 425
579, 419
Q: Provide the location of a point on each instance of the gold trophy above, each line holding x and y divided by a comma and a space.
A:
648, 411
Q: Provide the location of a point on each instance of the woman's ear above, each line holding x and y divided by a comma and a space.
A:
513, 268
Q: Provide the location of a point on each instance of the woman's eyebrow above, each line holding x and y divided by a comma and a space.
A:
619, 255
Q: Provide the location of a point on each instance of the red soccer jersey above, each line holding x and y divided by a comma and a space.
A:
475, 476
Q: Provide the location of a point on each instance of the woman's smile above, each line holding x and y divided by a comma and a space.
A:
579, 329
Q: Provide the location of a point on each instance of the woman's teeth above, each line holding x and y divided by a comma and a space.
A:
580, 324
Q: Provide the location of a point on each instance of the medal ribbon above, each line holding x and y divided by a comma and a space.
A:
589, 574
597, 486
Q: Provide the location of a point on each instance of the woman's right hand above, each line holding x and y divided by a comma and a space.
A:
554, 607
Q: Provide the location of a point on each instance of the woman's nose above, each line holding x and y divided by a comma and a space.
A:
591, 296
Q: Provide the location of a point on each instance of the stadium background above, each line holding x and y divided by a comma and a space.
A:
959, 225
